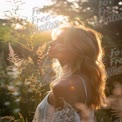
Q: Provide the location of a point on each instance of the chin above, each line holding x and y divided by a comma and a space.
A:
50, 55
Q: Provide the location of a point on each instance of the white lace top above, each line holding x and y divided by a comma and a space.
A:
45, 112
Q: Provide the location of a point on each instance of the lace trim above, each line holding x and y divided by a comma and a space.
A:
67, 114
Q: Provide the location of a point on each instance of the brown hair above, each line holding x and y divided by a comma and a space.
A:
84, 45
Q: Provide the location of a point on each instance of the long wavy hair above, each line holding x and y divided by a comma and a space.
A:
84, 48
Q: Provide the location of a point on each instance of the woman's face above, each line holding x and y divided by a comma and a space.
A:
57, 48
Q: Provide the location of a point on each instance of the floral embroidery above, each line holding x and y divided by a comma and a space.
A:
67, 114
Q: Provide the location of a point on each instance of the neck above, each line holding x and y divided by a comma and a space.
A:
62, 62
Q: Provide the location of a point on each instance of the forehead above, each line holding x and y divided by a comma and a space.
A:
64, 35
57, 34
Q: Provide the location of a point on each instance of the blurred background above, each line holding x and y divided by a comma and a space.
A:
25, 72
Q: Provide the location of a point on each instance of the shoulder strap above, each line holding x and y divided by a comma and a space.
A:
84, 85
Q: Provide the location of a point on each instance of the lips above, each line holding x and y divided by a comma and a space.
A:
50, 49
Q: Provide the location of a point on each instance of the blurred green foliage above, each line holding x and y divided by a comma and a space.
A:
23, 87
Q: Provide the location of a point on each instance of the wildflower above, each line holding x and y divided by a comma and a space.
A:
16, 110
7, 103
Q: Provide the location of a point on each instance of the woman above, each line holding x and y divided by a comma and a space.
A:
82, 84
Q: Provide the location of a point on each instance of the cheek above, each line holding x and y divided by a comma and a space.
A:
60, 48
60, 51
57, 52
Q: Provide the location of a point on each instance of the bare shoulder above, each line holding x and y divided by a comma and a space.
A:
70, 86
70, 81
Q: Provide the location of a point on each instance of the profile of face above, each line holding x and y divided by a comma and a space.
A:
57, 48
72, 45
